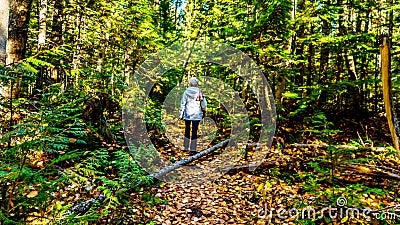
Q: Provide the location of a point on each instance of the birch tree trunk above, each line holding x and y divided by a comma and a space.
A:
41, 77
3, 29
42, 24
55, 36
4, 11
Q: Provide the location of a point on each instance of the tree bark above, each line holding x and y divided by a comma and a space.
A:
18, 30
17, 37
4, 12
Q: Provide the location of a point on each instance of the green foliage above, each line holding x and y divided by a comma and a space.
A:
320, 125
53, 149
154, 116
305, 222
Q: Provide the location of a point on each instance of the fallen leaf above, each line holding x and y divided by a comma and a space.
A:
32, 194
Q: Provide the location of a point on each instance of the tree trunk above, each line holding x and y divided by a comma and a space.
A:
18, 30
17, 36
42, 24
299, 46
310, 69
76, 58
364, 73
41, 77
292, 39
325, 51
4, 11
3, 30
390, 20
354, 92
57, 22
387, 94
56, 35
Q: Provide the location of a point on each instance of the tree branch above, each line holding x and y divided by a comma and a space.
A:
377, 149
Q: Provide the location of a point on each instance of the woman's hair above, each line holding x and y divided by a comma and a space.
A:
193, 81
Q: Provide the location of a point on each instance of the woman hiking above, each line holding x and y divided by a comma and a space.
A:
192, 110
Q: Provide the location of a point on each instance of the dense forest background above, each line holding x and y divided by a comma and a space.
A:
66, 64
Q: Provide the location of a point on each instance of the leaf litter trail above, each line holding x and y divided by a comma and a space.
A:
230, 199
221, 202
282, 181
227, 200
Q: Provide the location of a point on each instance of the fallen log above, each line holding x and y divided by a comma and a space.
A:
350, 147
185, 161
82, 207
373, 170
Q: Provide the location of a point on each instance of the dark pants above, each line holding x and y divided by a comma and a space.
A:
187, 139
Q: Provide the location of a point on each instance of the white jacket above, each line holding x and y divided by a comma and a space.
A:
193, 103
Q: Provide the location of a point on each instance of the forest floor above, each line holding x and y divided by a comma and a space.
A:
292, 186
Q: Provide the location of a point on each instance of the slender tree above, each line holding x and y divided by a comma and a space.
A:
42, 24
3, 29
3, 41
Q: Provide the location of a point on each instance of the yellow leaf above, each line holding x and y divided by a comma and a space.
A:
58, 206
268, 185
260, 187
32, 194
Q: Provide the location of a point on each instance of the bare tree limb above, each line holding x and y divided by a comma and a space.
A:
378, 149
373, 170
